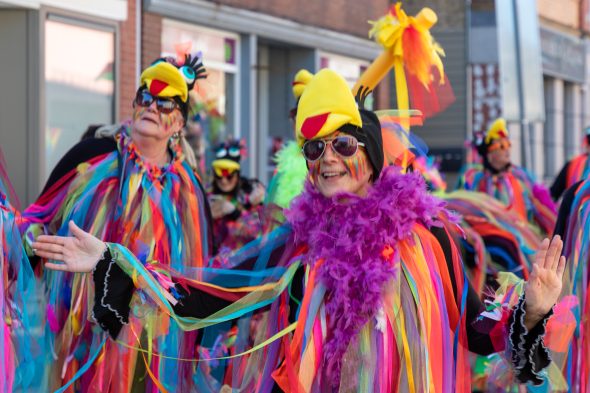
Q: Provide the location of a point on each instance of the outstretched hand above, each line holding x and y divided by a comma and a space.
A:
79, 253
545, 282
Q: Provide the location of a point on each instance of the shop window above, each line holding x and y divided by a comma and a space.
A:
214, 99
79, 82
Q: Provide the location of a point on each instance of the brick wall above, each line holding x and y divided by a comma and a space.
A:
150, 50
451, 13
349, 16
151, 38
127, 67
566, 14
346, 16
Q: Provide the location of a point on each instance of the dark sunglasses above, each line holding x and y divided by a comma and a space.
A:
225, 173
345, 146
501, 145
164, 105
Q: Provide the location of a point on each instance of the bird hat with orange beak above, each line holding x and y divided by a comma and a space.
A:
169, 78
327, 105
495, 137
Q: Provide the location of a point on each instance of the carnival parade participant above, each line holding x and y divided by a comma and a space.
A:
578, 168
136, 187
508, 183
236, 201
573, 226
386, 306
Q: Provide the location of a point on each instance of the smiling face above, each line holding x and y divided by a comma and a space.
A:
333, 174
227, 183
150, 122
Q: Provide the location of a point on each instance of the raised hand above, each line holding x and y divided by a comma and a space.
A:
257, 194
79, 253
545, 282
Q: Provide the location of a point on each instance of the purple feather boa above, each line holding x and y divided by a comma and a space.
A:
349, 233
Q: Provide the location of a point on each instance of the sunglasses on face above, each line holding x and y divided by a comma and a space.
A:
164, 105
501, 145
345, 146
225, 173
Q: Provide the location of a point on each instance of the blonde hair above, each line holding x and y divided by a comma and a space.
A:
111, 131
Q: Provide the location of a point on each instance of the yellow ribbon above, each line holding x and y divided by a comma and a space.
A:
275, 337
389, 31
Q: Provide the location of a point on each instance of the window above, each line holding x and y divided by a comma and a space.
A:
79, 88
350, 68
213, 100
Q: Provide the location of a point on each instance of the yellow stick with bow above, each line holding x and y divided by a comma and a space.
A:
398, 34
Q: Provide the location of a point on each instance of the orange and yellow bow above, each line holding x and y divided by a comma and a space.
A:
408, 45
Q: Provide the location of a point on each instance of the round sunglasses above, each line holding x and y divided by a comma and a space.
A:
345, 146
500, 145
164, 105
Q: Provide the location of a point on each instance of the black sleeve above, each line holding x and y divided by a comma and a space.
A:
564, 210
113, 290
200, 304
560, 182
527, 350
81, 152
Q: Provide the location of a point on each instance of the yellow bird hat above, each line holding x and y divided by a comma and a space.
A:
162, 79
326, 104
302, 78
498, 130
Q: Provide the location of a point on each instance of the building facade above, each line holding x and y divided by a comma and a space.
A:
562, 32
60, 70
74, 64
90, 60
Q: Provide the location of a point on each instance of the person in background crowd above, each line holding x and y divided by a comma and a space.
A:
135, 185
236, 201
573, 171
508, 183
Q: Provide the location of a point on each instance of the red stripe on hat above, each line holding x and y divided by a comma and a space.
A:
157, 86
312, 125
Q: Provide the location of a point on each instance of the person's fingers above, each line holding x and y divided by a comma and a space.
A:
48, 247
552, 252
557, 254
542, 253
76, 231
51, 239
56, 266
534, 273
50, 255
561, 267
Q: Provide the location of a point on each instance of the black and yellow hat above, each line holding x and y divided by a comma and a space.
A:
327, 105
168, 78
227, 157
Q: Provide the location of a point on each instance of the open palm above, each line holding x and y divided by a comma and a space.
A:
545, 282
78, 253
